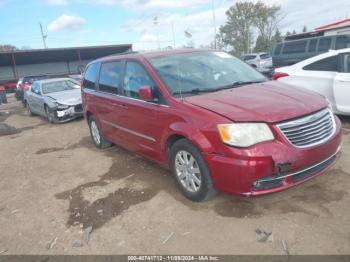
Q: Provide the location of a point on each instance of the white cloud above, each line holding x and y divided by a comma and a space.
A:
199, 24
148, 38
137, 4
311, 16
57, 2
66, 22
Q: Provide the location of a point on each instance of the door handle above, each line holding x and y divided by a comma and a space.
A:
120, 105
123, 106
344, 80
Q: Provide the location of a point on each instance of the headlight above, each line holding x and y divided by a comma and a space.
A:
245, 134
62, 107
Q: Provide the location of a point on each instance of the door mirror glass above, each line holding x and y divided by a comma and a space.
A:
145, 93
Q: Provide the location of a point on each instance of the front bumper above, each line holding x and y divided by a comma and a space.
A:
271, 166
65, 115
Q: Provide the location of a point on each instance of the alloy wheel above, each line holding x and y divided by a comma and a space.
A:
188, 171
95, 132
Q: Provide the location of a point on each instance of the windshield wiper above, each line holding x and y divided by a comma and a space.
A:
198, 90
241, 83
236, 84
193, 91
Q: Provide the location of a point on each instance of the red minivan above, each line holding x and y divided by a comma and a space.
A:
214, 121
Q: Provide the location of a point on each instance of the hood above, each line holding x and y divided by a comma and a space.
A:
68, 97
266, 102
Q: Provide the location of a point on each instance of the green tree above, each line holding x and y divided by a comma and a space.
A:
277, 37
220, 45
238, 31
7, 48
266, 21
245, 18
261, 44
304, 29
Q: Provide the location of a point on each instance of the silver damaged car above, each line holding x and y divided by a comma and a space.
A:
58, 99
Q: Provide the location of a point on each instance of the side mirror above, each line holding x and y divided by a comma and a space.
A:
145, 93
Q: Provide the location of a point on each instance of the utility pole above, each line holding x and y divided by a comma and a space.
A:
43, 36
214, 22
172, 27
155, 22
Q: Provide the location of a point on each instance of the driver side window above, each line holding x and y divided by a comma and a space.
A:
35, 88
135, 77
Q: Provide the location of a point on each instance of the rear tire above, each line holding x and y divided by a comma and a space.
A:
96, 135
190, 171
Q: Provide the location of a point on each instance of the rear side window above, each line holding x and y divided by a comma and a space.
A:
324, 44
248, 57
109, 77
277, 50
346, 63
326, 64
341, 42
265, 56
294, 47
91, 76
312, 45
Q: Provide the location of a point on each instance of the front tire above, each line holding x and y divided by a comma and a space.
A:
49, 115
96, 135
190, 171
28, 110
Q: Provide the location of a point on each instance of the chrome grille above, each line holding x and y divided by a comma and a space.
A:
310, 130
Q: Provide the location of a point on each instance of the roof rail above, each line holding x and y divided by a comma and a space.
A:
128, 52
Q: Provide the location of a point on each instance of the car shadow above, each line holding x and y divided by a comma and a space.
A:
133, 170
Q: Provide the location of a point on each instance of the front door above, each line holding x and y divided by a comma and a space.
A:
34, 96
138, 119
341, 86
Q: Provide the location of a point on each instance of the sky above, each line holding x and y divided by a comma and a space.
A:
69, 23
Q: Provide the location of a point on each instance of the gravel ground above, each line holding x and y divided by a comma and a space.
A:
60, 195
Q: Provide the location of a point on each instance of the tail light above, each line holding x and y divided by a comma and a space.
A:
278, 75
26, 86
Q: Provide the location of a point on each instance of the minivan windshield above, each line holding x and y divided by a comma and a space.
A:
208, 71
58, 86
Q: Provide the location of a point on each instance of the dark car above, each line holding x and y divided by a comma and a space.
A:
10, 86
291, 52
212, 119
25, 85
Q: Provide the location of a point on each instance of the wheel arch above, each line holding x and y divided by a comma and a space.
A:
88, 114
179, 131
